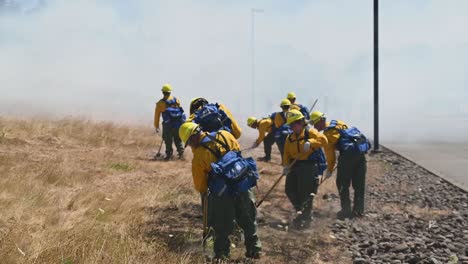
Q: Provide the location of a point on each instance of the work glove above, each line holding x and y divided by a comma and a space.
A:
255, 145
328, 174
157, 130
306, 146
286, 171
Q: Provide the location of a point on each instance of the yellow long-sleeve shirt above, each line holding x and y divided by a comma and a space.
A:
236, 130
264, 127
202, 158
280, 118
160, 108
333, 135
294, 145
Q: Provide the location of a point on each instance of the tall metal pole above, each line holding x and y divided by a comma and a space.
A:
253, 10
376, 75
253, 61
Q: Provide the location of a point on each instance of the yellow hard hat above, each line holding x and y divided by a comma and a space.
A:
166, 88
293, 116
285, 102
291, 95
251, 120
188, 129
316, 116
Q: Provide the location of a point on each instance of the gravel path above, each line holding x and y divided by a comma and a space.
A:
413, 217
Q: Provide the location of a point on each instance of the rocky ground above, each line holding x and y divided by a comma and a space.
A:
413, 217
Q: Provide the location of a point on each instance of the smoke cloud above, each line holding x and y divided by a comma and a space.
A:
107, 59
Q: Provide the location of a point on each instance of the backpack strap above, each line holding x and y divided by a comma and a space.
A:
172, 102
283, 115
224, 144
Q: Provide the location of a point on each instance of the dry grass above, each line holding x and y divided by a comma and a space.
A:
76, 191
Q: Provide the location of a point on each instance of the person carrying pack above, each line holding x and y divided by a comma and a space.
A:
219, 169
265, 135
282, 129
294, 105
304, 145
213, 117
352, 165
173, 117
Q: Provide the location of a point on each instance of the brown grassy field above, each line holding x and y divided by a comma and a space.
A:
76, 191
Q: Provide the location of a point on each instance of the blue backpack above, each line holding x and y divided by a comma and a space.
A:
211, 118
231, 174
174, 114
284, 130
351, 139
303, 109
318, 156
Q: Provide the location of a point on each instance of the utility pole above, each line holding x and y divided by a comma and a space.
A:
376, 75
253, 11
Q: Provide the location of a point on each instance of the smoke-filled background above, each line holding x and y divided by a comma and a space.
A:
107, 59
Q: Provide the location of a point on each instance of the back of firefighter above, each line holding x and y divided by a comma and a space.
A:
351, 169
225, 210
199, 102
171, 123
303, 147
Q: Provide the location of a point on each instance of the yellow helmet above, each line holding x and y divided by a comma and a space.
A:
188, 129
293, 116
316, 116
251, 120
291, 95
285, 102
166, 88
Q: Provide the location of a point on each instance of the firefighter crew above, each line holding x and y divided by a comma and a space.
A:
264, 127
173, 117
351, 168
303, 147
224, 209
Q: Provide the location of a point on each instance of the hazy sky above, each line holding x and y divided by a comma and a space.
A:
107, 59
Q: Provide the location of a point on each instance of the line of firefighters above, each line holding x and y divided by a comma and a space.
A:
224, 178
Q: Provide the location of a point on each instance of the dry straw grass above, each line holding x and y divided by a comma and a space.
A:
77, 191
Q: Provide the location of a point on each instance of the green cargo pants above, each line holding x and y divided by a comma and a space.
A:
225, 211
171, 134
268, 142
301, 182
352, 169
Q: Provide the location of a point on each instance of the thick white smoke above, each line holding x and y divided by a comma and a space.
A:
108, 59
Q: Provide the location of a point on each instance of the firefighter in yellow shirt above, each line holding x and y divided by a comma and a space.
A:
303, 147
225, 207
281, 128
213, 117
173, 117
265, 135
295, 105
352, 164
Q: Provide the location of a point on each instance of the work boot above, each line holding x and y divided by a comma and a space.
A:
264, 159
254, 254
343, 214
357, 214
168, 157
181, 155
